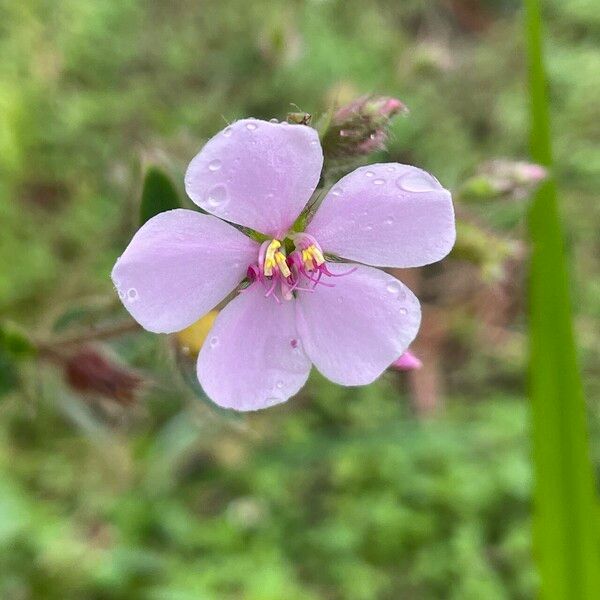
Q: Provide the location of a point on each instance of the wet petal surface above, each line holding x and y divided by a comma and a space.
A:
352, 332
257, 174
386, 215
178, 266
253, 357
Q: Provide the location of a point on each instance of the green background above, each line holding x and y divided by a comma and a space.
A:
340, 493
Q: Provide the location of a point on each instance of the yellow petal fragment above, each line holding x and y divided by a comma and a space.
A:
191, 338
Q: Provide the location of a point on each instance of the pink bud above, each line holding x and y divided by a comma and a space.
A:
531, 172
407, 362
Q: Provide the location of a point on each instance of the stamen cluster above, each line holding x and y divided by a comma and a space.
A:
306, 264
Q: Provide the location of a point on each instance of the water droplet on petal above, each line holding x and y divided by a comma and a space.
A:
214, 342
132, 294
273, 121
314, 143
391, 169
378, 181
227, 132
403, 311
251, 126
279, 384
214, 165
369, 174
337, 191
340, 300
416, 181
393, 288
389, 221
216, 196
369, 228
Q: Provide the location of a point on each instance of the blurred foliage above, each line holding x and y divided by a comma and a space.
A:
340, 494
158, 194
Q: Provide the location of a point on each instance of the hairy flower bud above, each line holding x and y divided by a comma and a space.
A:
360, 127
90, 371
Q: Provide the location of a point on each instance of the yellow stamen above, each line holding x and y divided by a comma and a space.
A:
318, 255
281, 262
312, 256
275, 258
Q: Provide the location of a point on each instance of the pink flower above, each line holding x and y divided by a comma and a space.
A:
348, 319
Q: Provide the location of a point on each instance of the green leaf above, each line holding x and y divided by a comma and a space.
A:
158, 195
565, 516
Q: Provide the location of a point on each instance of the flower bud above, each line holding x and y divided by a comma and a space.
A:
407, 362
503, 178
90, 371
360, 127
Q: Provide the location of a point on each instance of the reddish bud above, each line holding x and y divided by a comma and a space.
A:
90, 371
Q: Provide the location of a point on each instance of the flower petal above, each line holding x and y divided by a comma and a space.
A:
257, 174
253, 358
387, 215
178, 266
352, 332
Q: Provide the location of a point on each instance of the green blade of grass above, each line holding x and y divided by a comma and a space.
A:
565, 529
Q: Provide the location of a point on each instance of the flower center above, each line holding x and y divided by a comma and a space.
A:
305, 265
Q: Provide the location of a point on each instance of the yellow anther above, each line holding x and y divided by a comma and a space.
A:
317, 255
312, 256
275, 258
281, 262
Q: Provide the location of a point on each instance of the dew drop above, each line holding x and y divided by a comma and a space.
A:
214, 342
369, 228
122, 294
337, 191
403, 311
216, 196
378, 181
369, 174
214, 165
132, 294
418, 182
227, 132
391, 169
251, 126
279, 385
389, 221
393, 288
273, 121
340, 300
314, 143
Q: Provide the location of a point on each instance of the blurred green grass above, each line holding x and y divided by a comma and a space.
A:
341, 493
